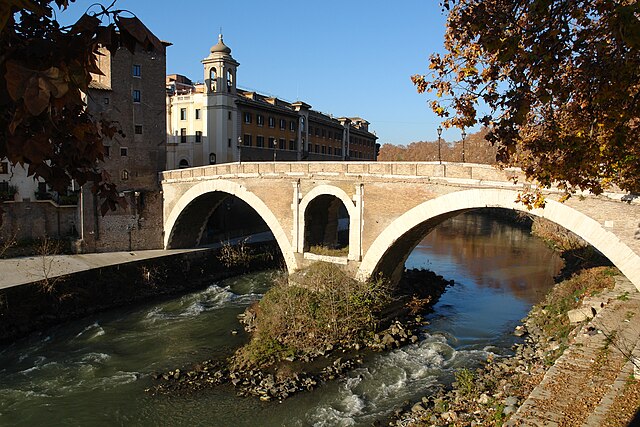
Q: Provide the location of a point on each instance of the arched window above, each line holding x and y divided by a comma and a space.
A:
213, 76
229, 80
184, 163
212, 158
124, 175
302, 124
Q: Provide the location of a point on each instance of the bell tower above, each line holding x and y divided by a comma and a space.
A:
223, 124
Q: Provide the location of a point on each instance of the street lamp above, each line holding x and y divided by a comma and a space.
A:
239, 150
464, 135
275, 153
439, 140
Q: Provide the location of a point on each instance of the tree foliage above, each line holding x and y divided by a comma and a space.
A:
477, 150
559, 81
45, 73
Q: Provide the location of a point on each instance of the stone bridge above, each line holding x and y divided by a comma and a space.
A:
390, 207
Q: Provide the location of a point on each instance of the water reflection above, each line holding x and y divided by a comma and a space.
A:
492, 252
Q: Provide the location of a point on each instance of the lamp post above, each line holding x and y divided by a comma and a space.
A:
439, 140
464, 135
239, 150
275, 153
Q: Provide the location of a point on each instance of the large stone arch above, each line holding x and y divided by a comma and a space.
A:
239, 191
352, 211
571, 219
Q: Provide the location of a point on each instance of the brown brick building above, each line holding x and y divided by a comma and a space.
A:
132, 93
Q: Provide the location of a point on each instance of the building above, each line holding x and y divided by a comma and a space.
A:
132, 93
217, 122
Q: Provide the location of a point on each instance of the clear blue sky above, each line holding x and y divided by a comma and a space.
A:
346, 58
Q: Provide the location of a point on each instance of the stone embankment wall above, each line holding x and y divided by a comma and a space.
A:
28, 220
30, 307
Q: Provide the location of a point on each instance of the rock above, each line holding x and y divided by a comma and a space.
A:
509, 410
511, 401
449, 416
579, 314
418, 408
483, 399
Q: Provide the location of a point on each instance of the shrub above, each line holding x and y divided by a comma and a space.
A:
322, 306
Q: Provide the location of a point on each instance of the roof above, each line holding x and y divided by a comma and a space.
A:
220, 47
99, 85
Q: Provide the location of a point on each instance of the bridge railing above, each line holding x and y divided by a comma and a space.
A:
402, 170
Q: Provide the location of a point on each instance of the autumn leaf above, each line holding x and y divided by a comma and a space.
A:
8, 7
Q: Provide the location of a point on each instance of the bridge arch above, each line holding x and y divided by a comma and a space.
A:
340, 194
432, 212
237, 190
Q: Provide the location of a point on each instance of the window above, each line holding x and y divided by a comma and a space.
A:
324, 133
310, 129
198, 136
136, 95
317, 131
124, 151
309, 148
184, 163
282, 144
329, 150
183, 114
138, 130
212, 158
259, 141
260, 119
4, 167
317, 148
302, 124
229, 143
292, 126
213, 76
323, 149
106, 101
272, 142
247, 117
136, 70
197, 114
292, 145
124, 175
229, 115
283, 124
229, 80
272, 122
183, 135
248, 140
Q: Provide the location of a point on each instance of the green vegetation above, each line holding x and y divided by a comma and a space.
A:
319, 307
327, 251
465, 382
551, 314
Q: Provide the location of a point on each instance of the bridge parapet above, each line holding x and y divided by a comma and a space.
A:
365, 170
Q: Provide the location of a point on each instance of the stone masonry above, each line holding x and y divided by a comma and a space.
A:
391, 206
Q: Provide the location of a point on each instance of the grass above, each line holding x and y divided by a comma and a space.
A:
327, 251
324, 306
551, 314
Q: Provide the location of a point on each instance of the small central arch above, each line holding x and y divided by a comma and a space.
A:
327, 218
185, 224
404, 232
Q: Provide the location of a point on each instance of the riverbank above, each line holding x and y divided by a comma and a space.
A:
42, 291
523, 390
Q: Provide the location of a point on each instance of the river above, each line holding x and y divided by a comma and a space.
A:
94, 371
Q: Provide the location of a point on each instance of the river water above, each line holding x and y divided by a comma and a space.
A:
94, 371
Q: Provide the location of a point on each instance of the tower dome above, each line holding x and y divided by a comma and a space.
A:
220, 47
